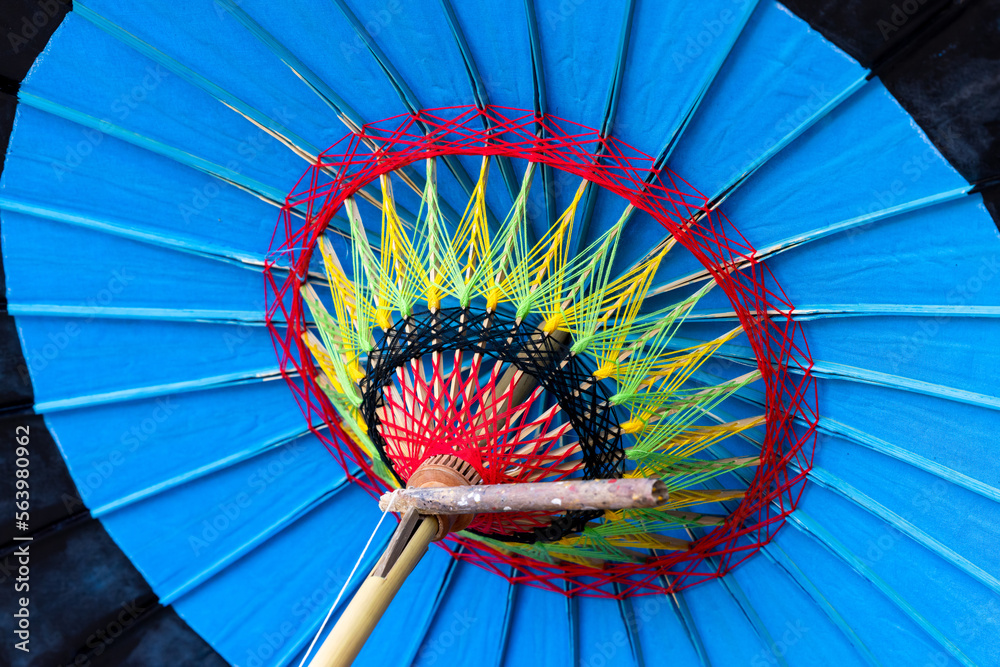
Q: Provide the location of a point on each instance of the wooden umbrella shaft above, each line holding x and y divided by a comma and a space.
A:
422, 506
356, 623
597, 494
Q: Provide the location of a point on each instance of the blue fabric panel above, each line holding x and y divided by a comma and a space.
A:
579, 51
770, 206
348, 71
729, 637
711, 305
404, 196
915, 372
213, 43
662, 635
760, 629
536, 211
779, 73
450, 193
453, 194
417, 41
295, 123
781, 559
946, 255
450, 190
321, 37
580, 46
498, 197
920, 425
642, 234
736, 406
603, 639
540, 631
667, 71
401, 631
111, 180
144, 97
744, 444
870, 614
951, 356
226, 609
679, 264
564, 186
470, 619
204, 525
699, 331
937, 590
388, 85
74, 361
124, 450
927, 502
118, 276
800, 632
506, 72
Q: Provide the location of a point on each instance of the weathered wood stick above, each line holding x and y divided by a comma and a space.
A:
595, 494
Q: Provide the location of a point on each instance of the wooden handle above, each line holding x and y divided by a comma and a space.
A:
358, 620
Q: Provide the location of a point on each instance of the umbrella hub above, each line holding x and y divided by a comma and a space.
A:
446, 470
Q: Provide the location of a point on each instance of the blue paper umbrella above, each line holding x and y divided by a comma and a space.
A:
764, 232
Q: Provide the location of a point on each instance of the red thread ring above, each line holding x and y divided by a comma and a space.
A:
763, 309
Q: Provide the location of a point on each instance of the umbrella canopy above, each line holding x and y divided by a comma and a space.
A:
182, 511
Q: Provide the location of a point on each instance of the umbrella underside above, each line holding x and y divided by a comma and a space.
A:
838, 163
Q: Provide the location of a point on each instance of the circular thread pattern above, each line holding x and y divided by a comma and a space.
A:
764, 311
565, 376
